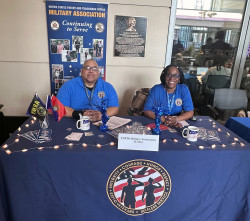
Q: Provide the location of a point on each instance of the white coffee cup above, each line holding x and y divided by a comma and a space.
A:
191, 133
83, 123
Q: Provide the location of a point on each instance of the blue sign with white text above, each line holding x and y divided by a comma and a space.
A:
76, 32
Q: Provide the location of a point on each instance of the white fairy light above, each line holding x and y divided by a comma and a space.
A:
84, 145
8, 151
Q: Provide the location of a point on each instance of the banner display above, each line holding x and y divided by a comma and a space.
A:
76, 32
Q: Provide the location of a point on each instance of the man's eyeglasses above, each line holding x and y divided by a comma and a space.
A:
175, 76
91, 68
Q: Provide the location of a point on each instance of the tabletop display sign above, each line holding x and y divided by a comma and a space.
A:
77, 32
138, 142
130, 36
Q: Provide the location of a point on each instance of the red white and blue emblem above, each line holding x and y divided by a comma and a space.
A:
138, 186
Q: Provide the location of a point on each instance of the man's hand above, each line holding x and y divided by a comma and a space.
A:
93, 115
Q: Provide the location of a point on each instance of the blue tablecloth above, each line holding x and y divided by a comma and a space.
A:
240, 126
210, 180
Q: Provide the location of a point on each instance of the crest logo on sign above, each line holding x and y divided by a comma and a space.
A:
138, 186
55, 25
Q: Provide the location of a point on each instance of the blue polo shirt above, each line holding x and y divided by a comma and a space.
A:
158, 97
72, 94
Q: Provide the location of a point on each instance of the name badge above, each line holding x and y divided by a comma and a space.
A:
138, 142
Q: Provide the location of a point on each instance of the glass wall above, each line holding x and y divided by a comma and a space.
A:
206, 39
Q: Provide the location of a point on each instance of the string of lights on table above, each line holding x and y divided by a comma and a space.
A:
235, 142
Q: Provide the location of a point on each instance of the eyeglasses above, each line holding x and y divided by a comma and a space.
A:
175, 76
91, 68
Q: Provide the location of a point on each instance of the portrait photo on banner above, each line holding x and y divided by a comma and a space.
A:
86, 54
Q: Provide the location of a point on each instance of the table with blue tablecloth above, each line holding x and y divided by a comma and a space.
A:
240, 126
91, 179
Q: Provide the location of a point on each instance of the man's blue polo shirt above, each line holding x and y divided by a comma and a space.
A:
72, 94
158, 97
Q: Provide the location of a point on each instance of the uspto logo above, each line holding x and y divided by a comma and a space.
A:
99, 27
138, 186
178, 102
54, 25
101, 94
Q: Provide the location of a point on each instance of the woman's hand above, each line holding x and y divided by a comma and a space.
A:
172, 121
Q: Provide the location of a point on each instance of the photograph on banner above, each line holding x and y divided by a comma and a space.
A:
86, 54
57, 71
57, 45
69, 56
98, 48
77, 31
66, 45
77, 43
101, 72
130, 36
58, 83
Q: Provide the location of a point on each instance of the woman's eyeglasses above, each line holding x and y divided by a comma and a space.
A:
175, 76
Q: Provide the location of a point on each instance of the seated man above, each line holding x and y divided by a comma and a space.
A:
83, 94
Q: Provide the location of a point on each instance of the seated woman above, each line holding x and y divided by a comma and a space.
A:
175, 98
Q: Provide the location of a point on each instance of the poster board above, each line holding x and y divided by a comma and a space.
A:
77, 32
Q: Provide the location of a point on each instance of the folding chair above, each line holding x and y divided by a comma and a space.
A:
138, 101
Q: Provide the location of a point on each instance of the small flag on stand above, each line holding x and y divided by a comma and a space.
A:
55, 107
37, 108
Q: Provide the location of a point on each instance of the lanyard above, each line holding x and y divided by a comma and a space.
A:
91, 95
170, 103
